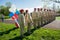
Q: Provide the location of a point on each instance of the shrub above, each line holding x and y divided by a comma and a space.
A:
7, 17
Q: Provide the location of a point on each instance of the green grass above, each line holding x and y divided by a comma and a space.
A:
5, 28
44, 33
57, 18
9, 32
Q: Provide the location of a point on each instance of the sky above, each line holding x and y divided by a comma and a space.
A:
23, 3
27, 3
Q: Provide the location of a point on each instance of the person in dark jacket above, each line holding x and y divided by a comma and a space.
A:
2, 17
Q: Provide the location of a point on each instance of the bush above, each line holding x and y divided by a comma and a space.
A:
7, 17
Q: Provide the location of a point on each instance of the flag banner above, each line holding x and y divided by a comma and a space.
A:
14, 17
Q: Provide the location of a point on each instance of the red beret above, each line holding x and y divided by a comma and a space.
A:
21, 10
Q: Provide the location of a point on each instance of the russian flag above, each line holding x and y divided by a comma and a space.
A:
15, 18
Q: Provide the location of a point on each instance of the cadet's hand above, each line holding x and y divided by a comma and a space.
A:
32, 22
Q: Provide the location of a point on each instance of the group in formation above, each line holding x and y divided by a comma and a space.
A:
37, 18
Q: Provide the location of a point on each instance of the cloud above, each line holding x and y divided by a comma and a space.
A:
30, 9
13, 8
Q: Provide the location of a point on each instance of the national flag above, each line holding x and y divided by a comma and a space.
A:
15, 18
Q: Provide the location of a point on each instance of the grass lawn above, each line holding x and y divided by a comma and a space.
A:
57, 18
8, 31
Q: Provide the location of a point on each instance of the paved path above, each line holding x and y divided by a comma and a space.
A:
8, 21
55, 24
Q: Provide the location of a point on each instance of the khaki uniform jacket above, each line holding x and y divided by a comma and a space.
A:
39, 14
34, 15
28, 18
44, 14
21, 19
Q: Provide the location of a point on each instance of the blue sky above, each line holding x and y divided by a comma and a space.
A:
23, 3
26, 3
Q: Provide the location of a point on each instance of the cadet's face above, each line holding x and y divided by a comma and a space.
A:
34, 9
26, 11
38, 10
22, 12
44, 10
41, 9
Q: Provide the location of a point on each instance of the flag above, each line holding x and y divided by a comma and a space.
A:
16, 21
17, 12
14, 17
11, 14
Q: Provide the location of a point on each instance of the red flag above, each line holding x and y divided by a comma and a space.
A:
16, 16
16, 25
13, 17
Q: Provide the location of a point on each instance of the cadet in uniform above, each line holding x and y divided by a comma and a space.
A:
47, 16
28, 20
53, 14
44, 16
50, 15
21, 22
34, 16
39, 17
41, 12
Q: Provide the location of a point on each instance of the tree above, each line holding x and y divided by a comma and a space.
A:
4, 10
8, 4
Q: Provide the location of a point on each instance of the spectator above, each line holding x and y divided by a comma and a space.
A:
2, 17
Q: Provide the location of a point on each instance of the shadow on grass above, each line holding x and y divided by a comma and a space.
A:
25, 34
6, 32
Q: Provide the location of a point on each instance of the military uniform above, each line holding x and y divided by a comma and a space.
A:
50, 13
52, 18
28, 20
46, 13
41, 14
44, 16
47, 16
34, 18
53, 15
21, 23
39, 18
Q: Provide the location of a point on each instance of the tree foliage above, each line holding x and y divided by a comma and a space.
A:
58, 11
5, 9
